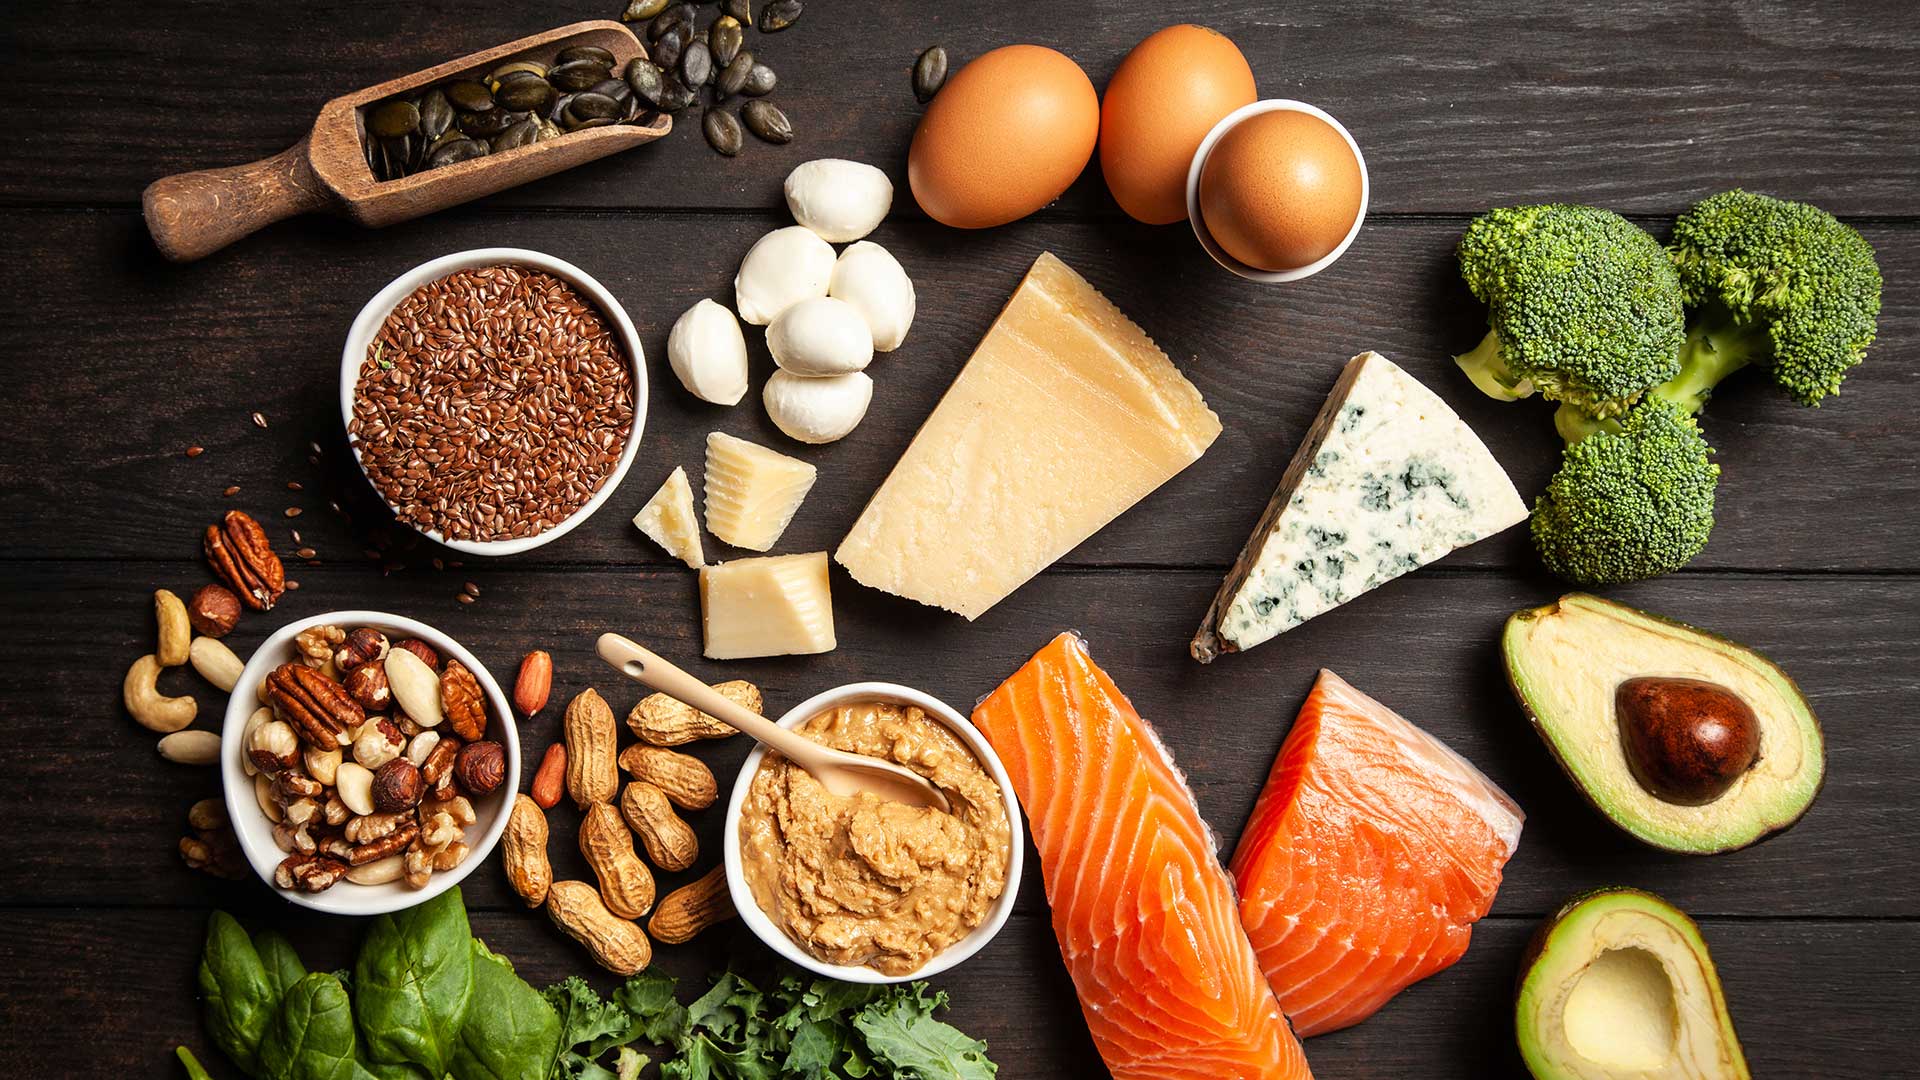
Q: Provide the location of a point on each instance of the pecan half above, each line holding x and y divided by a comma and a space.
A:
240, 554
391, 844
317, 707
462, 702
309, 873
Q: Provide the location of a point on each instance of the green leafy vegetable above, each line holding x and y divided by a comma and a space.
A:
311, 1037
412, 983
282, 964
902, 1033
238, 997
511, 1033
195, 1071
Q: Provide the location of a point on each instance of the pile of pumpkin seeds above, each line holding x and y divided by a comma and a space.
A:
686, 58
515, 104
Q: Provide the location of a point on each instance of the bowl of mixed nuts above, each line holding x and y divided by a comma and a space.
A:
368, 762
493, 398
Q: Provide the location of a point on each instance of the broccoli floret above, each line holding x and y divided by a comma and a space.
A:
1779, 284
1628, 504
1583, 306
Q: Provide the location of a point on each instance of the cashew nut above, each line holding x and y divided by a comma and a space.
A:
215, 662
171, 614
191, 747
155, 711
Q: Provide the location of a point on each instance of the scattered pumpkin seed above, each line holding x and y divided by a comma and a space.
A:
669, 46
722, 131
739, 9
668, 19
642, 10
724, 39
733, 78
647, 82
779, 15
929, 73
760, 81
765, 119
696, 64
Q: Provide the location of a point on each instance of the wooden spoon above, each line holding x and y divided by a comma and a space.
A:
198, 213
838, 771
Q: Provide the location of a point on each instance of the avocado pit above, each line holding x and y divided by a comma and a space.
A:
1686, 740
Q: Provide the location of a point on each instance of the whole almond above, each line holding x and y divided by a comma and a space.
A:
530, 690
550, 781
191, 747
415, 687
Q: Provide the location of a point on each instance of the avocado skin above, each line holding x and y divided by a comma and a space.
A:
1705, 637
1541, 941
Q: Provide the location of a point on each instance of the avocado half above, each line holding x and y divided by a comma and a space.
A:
1572, 665
1618, 983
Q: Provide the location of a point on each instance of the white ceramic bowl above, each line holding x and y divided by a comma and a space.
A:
366, 326
256, 832
776, 939
1252, 273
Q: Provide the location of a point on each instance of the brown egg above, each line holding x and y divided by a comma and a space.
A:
1162, 100
1280, 190
1007, 134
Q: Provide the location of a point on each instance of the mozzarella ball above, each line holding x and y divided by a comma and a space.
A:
872, 280
709, 354
819, 337
840, 200
782, 268
817, 410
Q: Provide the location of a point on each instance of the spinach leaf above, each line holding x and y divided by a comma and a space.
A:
282, 964
238, 997
901, 1033
412, 982
311, 1037
511, 1033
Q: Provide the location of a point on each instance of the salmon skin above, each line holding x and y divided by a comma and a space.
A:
1142, 909
1370, 854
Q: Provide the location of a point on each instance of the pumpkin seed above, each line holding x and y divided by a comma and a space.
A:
641, 10
696, 64
739, 9
722, 130
668, 19
499, 75
392, 119
765, 119
759, 81
436, 114
456, 152
577, 74
524, 95
929, 73
733, 78
667, 50
548, 130
646, 80
615, 88
485, 125
724, 39
779, 15
588, 105
521, 134
674, 94
469, 96
584, 52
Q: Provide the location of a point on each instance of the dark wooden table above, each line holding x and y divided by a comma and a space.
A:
117, 362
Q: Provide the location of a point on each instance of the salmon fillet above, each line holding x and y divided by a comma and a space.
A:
1143, 911
1370, 854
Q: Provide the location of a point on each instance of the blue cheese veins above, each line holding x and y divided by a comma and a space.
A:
1396, 481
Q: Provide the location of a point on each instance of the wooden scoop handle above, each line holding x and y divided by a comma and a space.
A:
641, 665
195, 214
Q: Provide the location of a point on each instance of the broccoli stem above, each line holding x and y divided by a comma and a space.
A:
1574, 423
1487, 367
1716, 347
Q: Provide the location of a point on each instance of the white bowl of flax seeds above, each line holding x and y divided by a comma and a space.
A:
494, 398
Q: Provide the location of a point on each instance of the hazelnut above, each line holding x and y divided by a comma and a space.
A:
367, 684
480, 767
363, 646
397, 786
273, 747
420, 649
213, 611
378, 743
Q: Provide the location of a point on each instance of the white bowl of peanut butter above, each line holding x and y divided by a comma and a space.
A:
864, 890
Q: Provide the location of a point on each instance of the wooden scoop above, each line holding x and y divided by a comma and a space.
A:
198, 213
840, 772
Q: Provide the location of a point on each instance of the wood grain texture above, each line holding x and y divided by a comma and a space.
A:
1640, 105
202, 346
1425, 646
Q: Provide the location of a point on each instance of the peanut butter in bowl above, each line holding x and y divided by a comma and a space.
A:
865, 882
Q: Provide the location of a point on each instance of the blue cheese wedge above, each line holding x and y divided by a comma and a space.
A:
1388, 480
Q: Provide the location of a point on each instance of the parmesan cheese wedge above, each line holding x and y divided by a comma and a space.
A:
1066, 415
752, 492
774, 606
668, 520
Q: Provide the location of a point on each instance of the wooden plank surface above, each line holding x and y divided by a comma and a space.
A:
119, 361
1640, 105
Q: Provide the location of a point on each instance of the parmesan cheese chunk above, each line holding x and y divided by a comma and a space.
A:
668, 520
752, 492
774, 606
